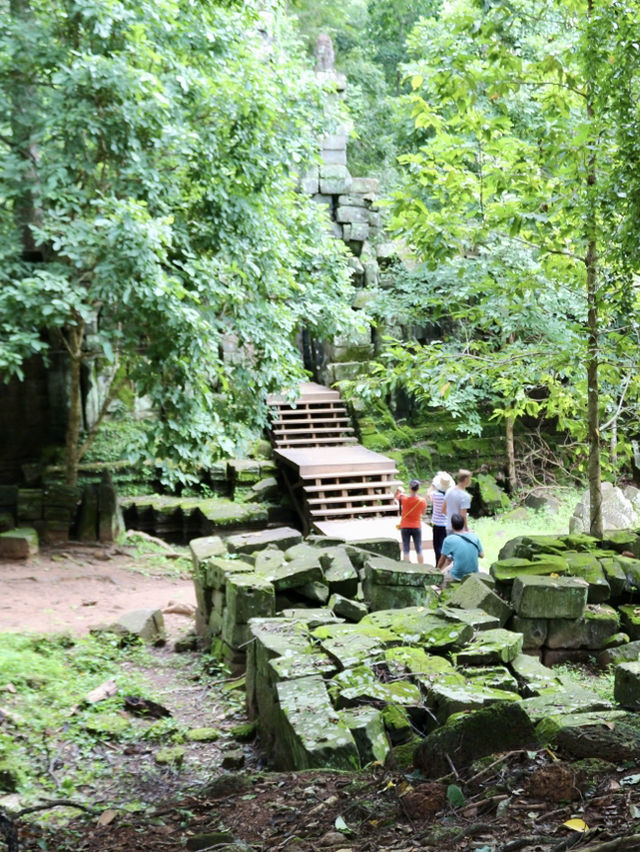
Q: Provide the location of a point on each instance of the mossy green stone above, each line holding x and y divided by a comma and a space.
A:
311, 734
249, 596
447, 699
297, 665
614, 575
549, 597
389, 572
630, 616
493, 677
415, 661
351, 647
203, 735
580, 542
367, 728
467, 738
170, 756
490, 646
592, 631
395, 692
475, 618
348, 609
533, 630
244, 733
268, 561
551, 727
314, 591
339, 571
506, 570
587, 566
294, 573
216, 570
620, 540
533, 676
219, 512
474, 594
107, 724
381, 597
571, 698
397, 723
626, 689
420, 626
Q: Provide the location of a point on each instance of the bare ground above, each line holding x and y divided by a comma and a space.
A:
520, 801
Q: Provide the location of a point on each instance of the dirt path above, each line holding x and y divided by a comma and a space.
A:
75, 587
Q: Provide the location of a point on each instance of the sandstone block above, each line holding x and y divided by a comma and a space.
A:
549, 597
626, 690
474, 594
19, 543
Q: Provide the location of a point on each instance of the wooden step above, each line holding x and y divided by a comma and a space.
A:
315, 412
302, 421
352, 498
309, 427
355, 512
337, 486
321, 442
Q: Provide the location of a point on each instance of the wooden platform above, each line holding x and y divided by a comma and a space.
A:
311, 462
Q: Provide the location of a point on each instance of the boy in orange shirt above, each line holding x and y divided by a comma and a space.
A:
412, 508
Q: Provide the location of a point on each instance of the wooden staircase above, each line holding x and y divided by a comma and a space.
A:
328, 474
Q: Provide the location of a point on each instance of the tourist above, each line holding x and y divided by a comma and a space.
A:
457, 500
412, 508
460, 552
440, 484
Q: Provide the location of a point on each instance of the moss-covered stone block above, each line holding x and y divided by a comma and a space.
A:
505, 571
311, 734
281, 537
549, 597
348, 609
533, 677
404, 659
366, 725
379, 570
621, 540
492, 498
268, 561
533, 630
217, 570
489, 647
627, 653
359, 685
312, 616
626, 690
400, 597
491, 677
353, 644
614, 575
249, 596
592, 631
587, 566
630, 620
339, 571
203, 547
478, 619
568, 729
571, 698
464, 738
295, 573
474, 594
19, 543
420, 626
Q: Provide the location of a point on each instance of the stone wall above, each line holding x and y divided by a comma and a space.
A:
352, 656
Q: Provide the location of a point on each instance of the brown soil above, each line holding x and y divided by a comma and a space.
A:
75, 587
221, 797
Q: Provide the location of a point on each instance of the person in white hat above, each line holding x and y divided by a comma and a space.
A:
440, 483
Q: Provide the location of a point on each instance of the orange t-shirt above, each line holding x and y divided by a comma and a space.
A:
413, 508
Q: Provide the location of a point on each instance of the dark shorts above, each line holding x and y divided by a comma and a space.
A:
411, 533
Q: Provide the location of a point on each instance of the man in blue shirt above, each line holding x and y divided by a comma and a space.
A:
460, 552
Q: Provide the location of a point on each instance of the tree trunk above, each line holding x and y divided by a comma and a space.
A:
593, 422
511, 454
24, 112
591, 262
74, 347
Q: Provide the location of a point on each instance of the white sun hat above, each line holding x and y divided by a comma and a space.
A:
442, 480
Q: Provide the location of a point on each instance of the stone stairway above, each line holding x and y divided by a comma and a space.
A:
328, 474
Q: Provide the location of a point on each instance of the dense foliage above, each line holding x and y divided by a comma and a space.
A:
150, 219
519, 202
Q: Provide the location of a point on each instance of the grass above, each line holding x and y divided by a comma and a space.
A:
495, 532
43, 682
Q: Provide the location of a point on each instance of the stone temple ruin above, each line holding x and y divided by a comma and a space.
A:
352, 656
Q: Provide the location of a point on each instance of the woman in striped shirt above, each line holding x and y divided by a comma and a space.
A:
439, 485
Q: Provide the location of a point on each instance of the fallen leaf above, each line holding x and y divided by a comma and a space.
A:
341, 825
106, 817
576, 825
630, 780
455, 796
9, 687
634, 811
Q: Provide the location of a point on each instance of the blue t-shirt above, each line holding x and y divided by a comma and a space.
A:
463, 552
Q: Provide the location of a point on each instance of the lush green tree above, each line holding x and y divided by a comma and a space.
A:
150, 220
528, 127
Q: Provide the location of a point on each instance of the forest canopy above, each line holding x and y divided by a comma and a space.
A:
149, 215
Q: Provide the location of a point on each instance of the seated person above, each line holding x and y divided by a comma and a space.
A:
460, 552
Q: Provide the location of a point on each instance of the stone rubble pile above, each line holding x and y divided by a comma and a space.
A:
352, 656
